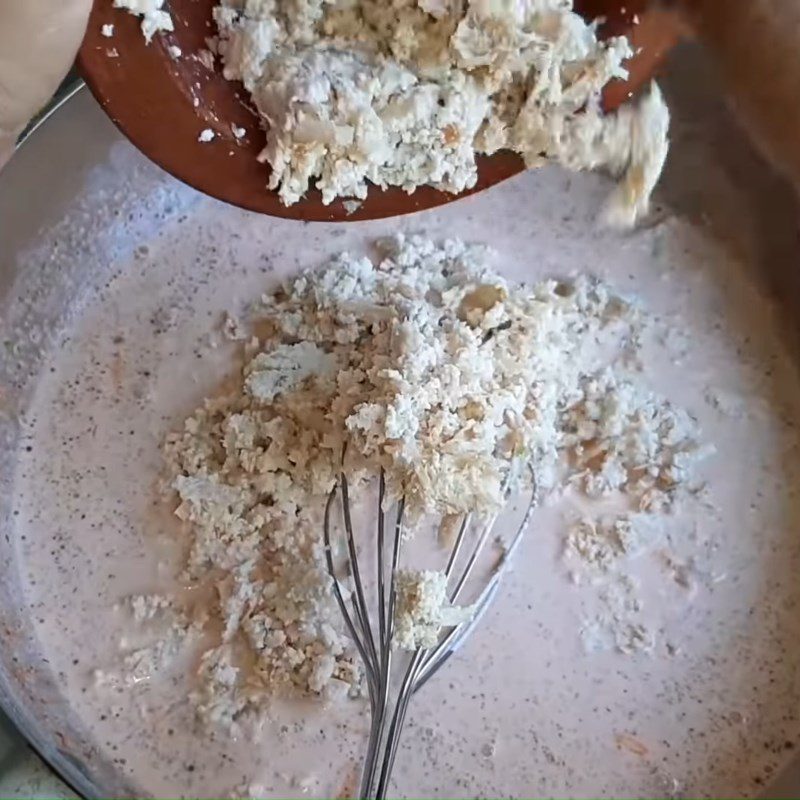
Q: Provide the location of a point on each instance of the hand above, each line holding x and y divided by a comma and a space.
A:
38, 42
756, 46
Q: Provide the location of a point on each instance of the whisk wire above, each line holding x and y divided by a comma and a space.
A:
424, 663
462, 530
381, 565
473, 559
359, 600
396, 725
453, 639
377, 655
340, 595
386, 627
398, 540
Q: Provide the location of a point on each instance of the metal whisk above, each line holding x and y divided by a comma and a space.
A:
382, 663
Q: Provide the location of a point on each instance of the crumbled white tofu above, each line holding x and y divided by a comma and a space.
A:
351, 206
107, 31
238, 133
154, 18
427, 364
206, 135
146, 607
206, 58
602, 543
174, 51
282, 369
398, 93
423, 609
623, 438
618, 625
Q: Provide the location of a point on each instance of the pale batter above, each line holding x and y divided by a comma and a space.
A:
713, 710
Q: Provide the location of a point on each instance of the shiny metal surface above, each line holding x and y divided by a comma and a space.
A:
373, 628
13, 750
70, 86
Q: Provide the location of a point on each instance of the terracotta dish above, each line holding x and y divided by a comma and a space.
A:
162, 104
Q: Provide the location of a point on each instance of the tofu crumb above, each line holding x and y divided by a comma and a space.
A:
107, 31
206, 58
206, 135
423, 609
351, 206
618, 626
423, 362
154, 18
396, 93
174, 51
146, 607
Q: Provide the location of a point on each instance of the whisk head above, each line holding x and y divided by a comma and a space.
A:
393, 680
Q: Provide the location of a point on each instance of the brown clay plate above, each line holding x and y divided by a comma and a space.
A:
162, 104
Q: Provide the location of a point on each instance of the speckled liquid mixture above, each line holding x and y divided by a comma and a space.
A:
524, 710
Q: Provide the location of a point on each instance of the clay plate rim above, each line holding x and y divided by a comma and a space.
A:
161, 104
